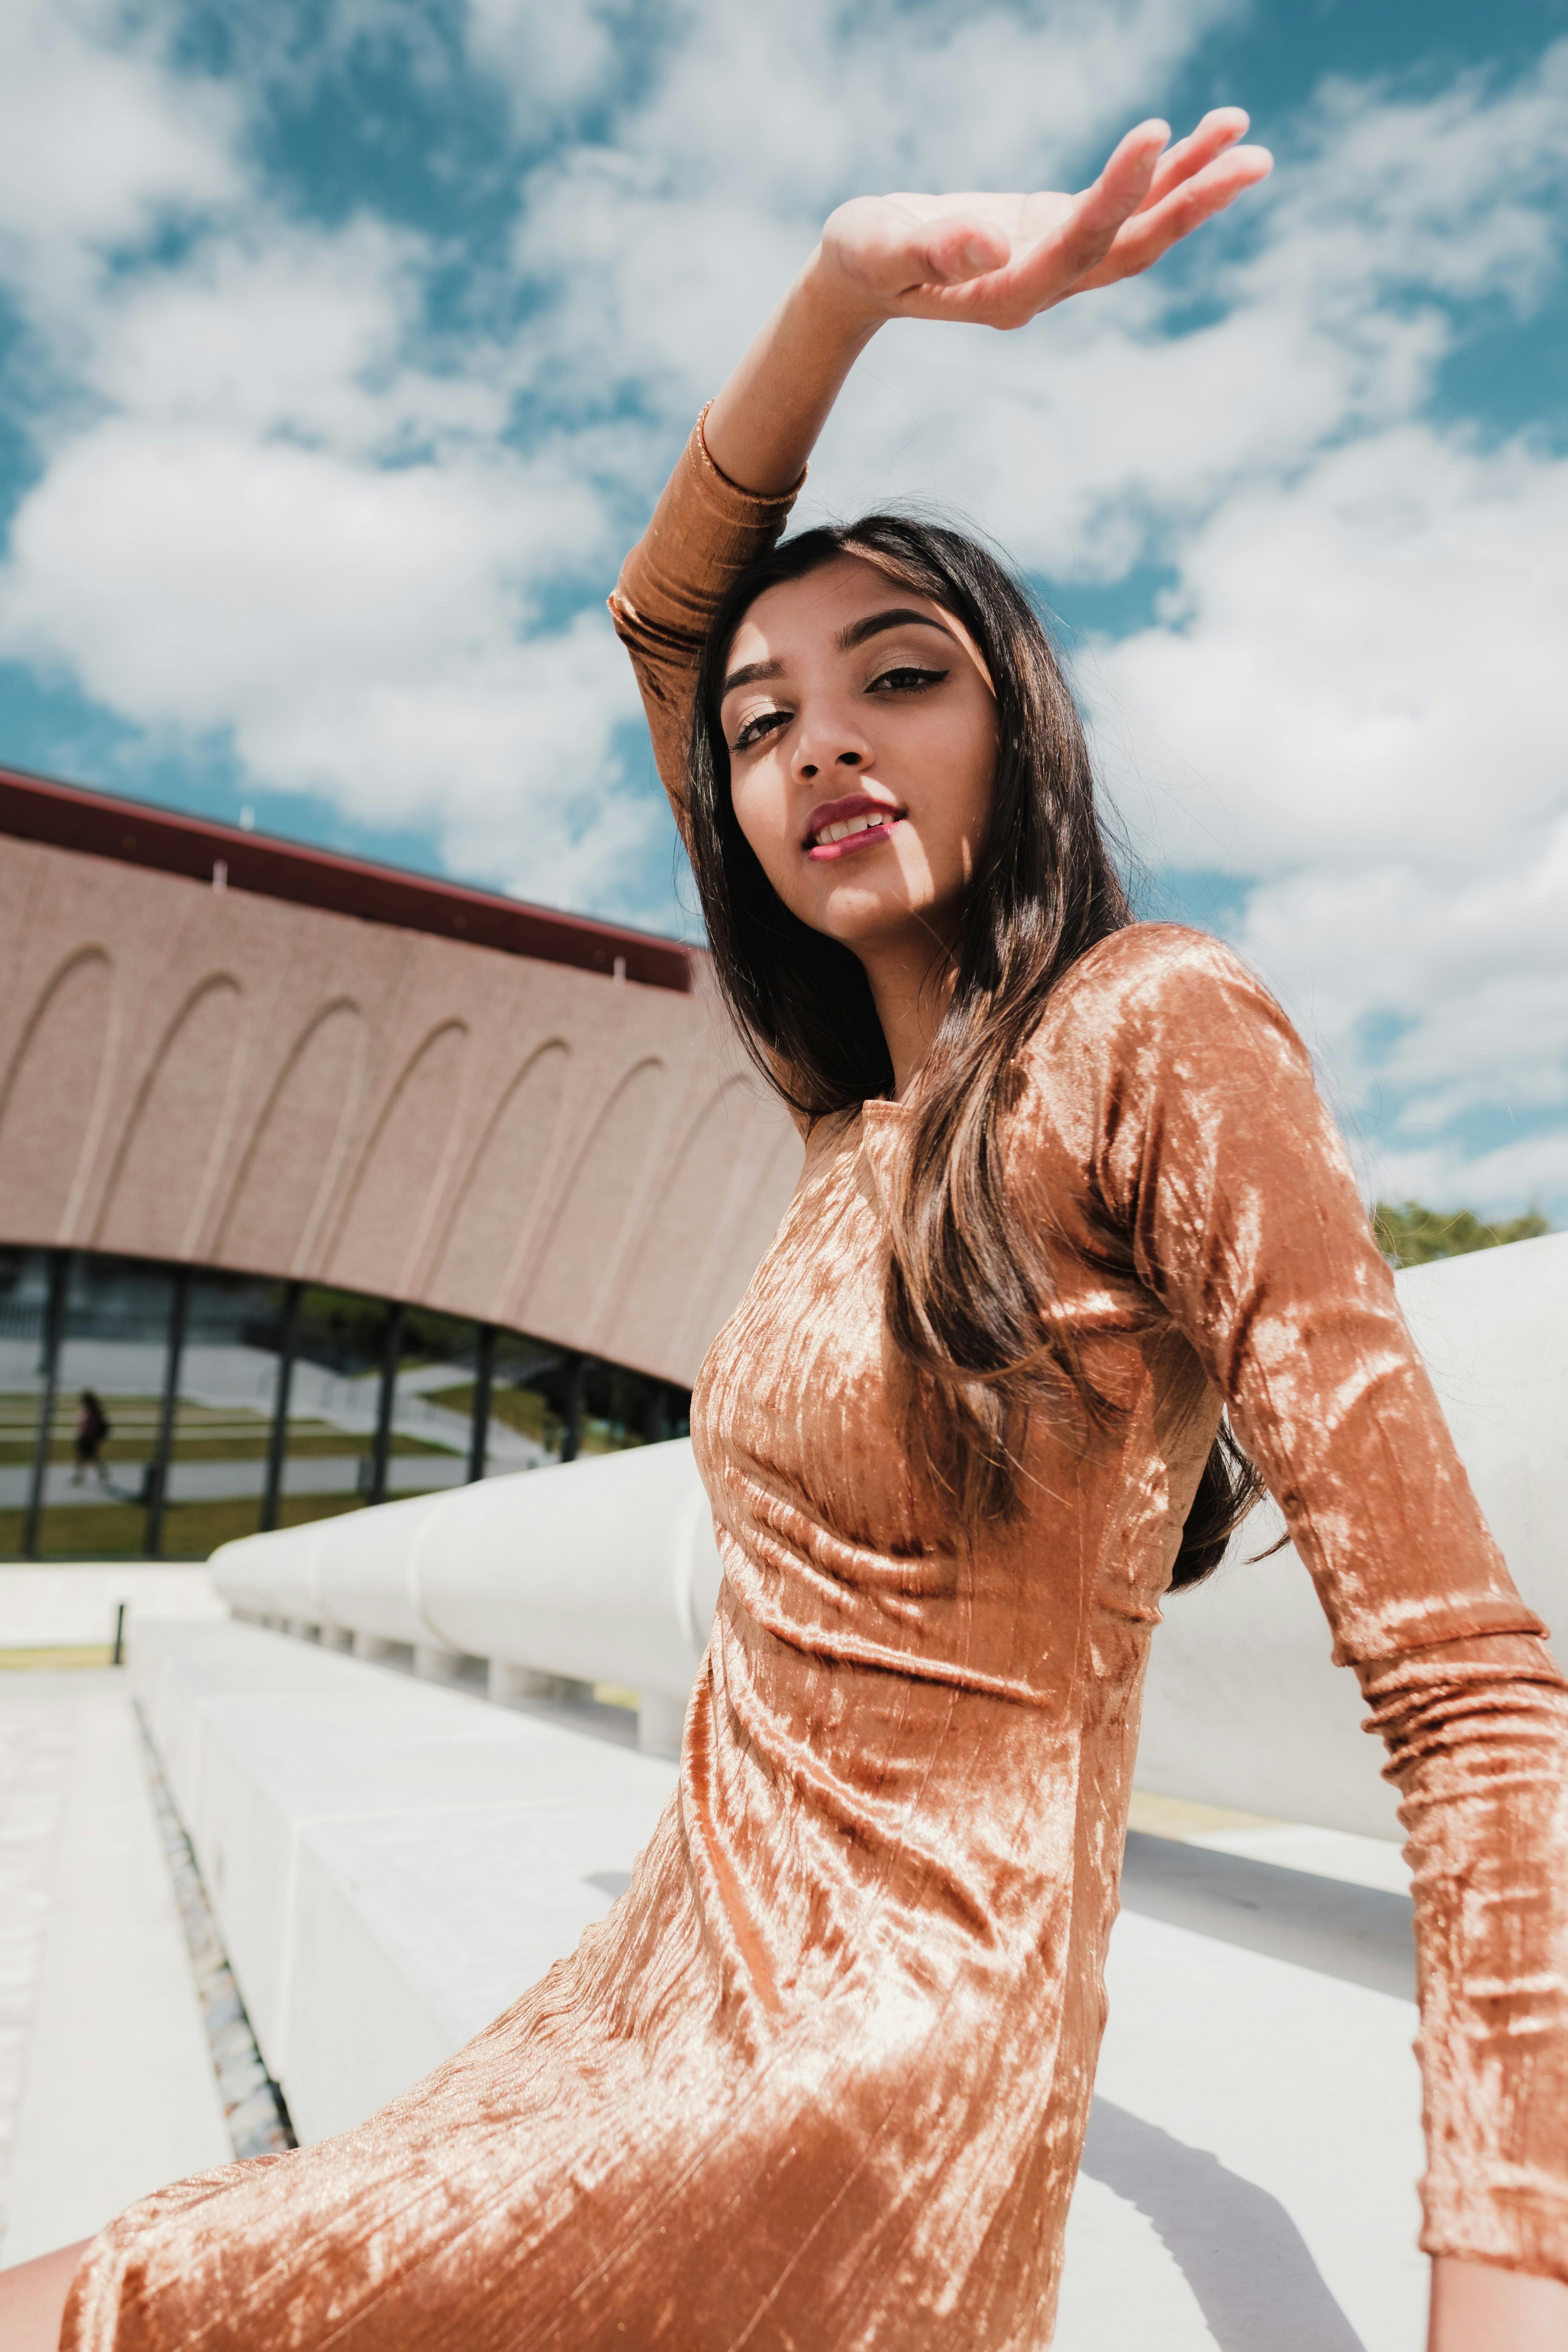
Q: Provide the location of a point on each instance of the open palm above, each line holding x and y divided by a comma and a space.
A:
999, 260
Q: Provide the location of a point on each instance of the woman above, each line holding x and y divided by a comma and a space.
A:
821, 2078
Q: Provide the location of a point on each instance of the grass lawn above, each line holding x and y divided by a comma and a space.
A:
523, 1410
201, 1434
191, 1530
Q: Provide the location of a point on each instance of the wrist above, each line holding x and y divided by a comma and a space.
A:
761, 429
845, 313
1480, 2307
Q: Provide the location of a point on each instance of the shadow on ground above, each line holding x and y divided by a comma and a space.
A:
1245, 2260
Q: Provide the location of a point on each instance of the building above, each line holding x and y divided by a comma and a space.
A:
333, 1183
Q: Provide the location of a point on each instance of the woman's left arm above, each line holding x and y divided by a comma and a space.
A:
1213, 1153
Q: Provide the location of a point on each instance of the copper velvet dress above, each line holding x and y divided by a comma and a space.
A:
820, 2079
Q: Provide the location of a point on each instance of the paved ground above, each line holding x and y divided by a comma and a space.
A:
1248, 2184
107, 2087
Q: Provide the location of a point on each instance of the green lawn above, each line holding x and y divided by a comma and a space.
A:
201, 1434
526, 1411
523, 1410
191, 1530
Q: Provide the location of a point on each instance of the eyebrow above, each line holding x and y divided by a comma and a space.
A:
898, 616
750, 674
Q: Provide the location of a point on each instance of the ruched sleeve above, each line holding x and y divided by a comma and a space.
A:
1211, 1157
705, 531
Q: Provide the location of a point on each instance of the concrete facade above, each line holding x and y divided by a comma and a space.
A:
206, 1074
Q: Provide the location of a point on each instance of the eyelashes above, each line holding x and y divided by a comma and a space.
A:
908, 678
766, 723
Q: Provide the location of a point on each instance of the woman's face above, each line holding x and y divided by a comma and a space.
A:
862, 735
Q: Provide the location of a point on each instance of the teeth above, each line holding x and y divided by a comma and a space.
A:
841, 832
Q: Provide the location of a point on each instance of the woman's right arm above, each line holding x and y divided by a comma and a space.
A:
990, 260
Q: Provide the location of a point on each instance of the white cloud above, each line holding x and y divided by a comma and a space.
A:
1363, 661
552, 60
273, 510
1462, 977
357, 632
101, 140
661, 248
274, 328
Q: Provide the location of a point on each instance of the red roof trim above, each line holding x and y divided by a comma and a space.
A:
99, 825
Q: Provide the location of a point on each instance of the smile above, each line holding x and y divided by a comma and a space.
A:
841, 827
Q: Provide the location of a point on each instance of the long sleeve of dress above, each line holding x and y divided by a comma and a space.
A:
704, 532
1214, 1160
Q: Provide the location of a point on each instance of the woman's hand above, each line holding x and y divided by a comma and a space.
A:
998, 261
995, 261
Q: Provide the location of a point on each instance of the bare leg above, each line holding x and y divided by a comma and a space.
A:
33, 2299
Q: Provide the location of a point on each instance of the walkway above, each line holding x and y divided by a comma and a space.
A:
107, 2087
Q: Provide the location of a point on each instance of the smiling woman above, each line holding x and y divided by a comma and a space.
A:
822, 2076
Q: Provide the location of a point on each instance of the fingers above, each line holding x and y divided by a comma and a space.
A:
1219, 129
1091, 228
1141, 241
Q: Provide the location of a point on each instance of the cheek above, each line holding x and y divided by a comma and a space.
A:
967, 768
981, 774
762, 812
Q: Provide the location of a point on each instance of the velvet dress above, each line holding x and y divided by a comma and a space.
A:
818, 2082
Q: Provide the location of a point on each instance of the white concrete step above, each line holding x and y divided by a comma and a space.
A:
393, 1862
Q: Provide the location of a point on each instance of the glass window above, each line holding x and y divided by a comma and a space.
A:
24, 1312
433, 1402
530, 1404
334, 1398
547, 1403
108, 1400
223, 1413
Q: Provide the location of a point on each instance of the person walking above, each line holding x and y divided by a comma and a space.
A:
92, 1427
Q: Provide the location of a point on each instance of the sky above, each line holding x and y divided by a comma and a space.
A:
345, 343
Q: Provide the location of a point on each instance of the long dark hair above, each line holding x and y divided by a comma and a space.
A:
971, 1302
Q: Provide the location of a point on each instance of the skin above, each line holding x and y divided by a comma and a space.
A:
33, 2299
842, 730
864, 714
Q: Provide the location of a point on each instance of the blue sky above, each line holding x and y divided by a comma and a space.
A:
343, 346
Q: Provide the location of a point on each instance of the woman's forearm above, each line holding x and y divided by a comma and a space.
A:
764, 424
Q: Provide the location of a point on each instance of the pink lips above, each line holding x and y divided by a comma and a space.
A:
853, 804
854, 841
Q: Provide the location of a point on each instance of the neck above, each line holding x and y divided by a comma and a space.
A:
910, 996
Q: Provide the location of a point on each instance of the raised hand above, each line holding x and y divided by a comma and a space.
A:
996, 261
999, 260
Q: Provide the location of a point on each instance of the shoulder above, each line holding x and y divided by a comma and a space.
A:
1158, 1031
1154, 984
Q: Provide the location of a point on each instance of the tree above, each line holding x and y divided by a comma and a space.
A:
1411, 1235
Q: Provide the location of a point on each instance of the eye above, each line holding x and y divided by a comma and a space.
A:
761, 722
905, 679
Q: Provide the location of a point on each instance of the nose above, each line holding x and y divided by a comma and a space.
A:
829, 746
